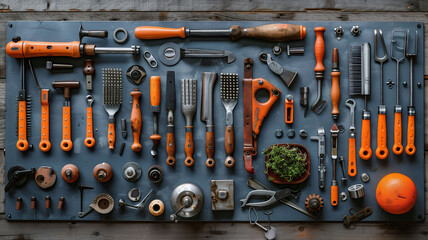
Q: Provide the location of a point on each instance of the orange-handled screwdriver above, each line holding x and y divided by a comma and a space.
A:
271, 32
45, 145
335, 87
155, 97
365, 149
334, 191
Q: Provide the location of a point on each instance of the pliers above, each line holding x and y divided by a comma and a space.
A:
274, 197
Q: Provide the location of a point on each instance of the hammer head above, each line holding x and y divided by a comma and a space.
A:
67, 85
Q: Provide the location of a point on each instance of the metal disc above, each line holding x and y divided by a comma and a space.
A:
169, 53
190, 190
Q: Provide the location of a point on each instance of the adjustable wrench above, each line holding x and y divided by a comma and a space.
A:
321, 156
352, 164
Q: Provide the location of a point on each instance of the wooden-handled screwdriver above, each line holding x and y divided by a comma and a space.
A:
136, 121
271, 32
155, 96
335, 87
170, 107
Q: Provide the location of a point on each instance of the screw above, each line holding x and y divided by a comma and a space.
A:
404, 84
10, 25
50, 65
279, 133
291, 133
419, 84
303, 133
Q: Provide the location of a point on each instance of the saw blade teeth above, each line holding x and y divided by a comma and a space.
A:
229, 86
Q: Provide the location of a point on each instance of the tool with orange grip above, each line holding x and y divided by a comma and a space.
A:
208, 82
170, 107
382, 149
44, 145
188, 108
319, 104
89, 140
359, 85
335, 86
24, 113
352, 153
66, 143
254, 111
411, 110
136, 120
397, 148
271, 32
289, 109
334, 141
112, 99
155, 98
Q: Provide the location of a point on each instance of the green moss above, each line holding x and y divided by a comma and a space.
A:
287, 162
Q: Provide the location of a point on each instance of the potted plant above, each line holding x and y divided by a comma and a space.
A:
287, 163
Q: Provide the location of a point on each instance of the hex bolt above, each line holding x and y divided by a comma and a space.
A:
277, 50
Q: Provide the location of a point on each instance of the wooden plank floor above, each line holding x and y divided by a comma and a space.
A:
204, 10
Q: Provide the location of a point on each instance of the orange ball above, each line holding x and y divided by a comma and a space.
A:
396, 193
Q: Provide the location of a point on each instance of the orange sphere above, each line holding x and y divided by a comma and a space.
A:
396, 193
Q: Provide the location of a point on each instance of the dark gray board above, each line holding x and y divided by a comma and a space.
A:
86, 159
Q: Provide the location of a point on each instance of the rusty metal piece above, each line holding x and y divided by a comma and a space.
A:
156, 207
61, 203
70, 173
155, 173
349, 221
18, 203
33, 202
47, 202
314, 203
45, 177
222, 195
102, 172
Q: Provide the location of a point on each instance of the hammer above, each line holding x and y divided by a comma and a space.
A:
66, 143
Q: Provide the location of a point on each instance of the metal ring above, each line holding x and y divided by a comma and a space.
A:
118, 30
263, 57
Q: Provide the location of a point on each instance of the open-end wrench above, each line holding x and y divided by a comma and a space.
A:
89, 140
352, 163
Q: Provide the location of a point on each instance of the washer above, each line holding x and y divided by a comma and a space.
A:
169, 53
118, 30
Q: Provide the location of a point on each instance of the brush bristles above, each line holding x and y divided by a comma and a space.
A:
354, 70
112, 85
188, 91
229, 86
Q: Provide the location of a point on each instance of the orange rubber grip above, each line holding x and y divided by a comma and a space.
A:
352, 163
89, 140
410, 148
111, 136
398, 146
229, 145
382, 149
22, 143
365, 149
210, 149
66, 143
45, 145
289, 112
170, 148
149, 32
30, 49
335, 92
334, 195
189, 147
319, 49
136, 120
155, 90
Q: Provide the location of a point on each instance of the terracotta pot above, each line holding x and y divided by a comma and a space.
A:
277, 179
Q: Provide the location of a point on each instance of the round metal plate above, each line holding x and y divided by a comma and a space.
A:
45, 177
191, 190
169, 53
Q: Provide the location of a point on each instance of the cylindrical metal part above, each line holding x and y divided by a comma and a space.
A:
33, 203
61, 203
47, 202
135, 50
356, 191
18, 203
70, 173
155, 173
207, 32
295, 50
156, 207
50, 65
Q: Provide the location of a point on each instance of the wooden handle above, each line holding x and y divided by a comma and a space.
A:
410, 148
365, 149
189, 147
89, 140
229, 145
352, 163
30, 49
111, 136
335, 93
398, 146
210, 149
271, 32
22, 143
170, 148
334, 195
136, 121
148, 32
382, 149
45, 144
66, 143
319, 49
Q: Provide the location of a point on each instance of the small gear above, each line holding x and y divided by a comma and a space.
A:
314, 203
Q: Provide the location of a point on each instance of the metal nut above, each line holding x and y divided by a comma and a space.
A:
365, 177
355, 30
343, 196
339, 32
222, 194
277, 50
291, 133
279, 133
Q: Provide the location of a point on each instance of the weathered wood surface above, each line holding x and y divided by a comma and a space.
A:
213, 5
158, 11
